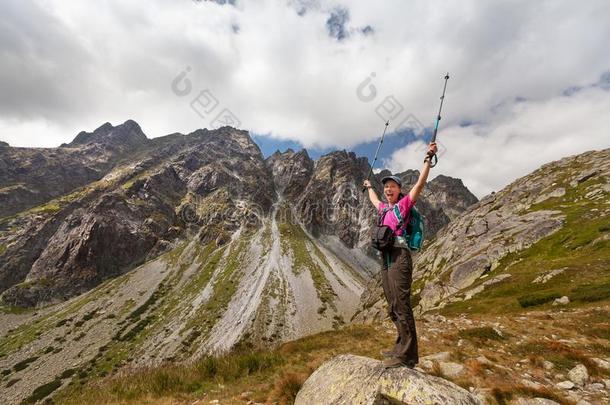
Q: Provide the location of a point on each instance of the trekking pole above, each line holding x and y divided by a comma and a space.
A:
438, 118
376, 153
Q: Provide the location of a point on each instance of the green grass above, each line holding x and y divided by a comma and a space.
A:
561, 355
481, 334
272, 375
602, 333
591, 292
224, 287
8, 309
537, 298
30, 331
295, 240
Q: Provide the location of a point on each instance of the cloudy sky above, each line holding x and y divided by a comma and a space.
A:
530, 81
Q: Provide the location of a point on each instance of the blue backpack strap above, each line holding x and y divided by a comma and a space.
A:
398, 216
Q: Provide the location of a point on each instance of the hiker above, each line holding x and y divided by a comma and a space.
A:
397, 267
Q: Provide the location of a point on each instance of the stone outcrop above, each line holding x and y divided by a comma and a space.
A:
350, 379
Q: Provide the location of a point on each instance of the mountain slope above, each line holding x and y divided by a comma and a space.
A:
30, 176
191, 245
555, 219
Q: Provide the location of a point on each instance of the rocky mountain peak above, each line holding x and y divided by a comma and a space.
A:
127, 134
291, 171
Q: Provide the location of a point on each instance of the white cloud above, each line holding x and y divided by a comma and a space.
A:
517, 140
69, 65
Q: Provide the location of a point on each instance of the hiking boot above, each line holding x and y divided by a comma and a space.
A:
387, 353
393, 362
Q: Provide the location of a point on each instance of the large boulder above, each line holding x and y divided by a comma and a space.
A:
349, 379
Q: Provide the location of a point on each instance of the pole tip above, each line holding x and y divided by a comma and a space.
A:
447, 76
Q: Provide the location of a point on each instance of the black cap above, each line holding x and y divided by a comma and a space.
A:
394, 178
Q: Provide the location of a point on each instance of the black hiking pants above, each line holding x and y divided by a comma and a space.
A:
396, 277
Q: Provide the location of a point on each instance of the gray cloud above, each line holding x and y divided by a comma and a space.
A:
336, 24
70, 65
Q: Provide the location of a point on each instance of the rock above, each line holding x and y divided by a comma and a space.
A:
578, 375
474, 291
586, 175
583, 402
565, 385
484, 360
440, 356
451, 370
535, 401
245, 394
595, 387
427, 362
561, 301
531, 384
601, 363
547, 276
607, 384
558, 192
547, 365
573, 396
350, 379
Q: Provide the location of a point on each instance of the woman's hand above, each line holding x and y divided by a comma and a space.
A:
372, 194
432, 149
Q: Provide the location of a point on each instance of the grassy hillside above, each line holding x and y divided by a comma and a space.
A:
512, 346
580, 249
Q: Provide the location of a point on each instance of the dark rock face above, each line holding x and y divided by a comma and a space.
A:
31, 176
291, 172
332, 202
127, 135
178, 184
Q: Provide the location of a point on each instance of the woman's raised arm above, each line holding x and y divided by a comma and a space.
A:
423, 176
372, 194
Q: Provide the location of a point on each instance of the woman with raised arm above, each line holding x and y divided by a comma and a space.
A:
397, 266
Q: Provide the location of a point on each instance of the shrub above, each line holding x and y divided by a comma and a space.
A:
42, 391
287, 387
534, 299
24, 364
591, 293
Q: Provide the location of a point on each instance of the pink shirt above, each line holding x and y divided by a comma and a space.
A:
404, 205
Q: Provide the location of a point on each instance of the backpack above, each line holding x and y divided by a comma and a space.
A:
383, 235
414, 229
